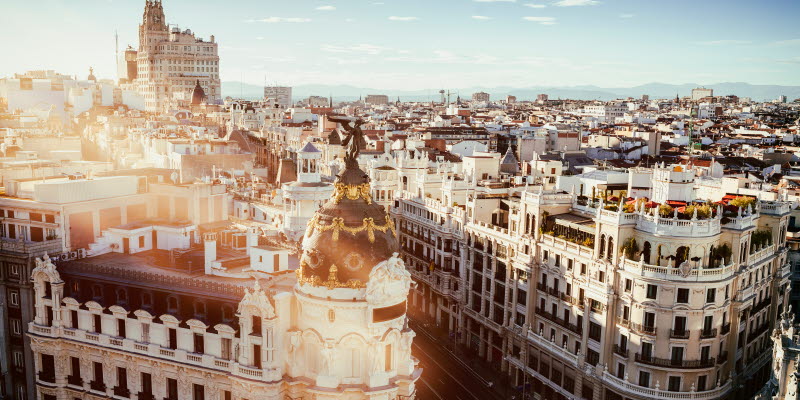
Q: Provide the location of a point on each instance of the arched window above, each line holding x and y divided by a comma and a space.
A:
646, 252
681, 255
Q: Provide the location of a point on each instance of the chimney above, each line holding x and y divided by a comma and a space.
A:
252, 238
210, 250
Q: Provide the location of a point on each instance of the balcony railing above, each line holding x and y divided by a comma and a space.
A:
643, 329
49, 377
623, 322
725, 329
708, 333
679, 334
559, 321
621, 351
722, 357
758, 332
74, 380
97, 386
760, 306
122, 392
670, 363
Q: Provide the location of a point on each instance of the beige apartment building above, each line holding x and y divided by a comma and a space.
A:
578, 297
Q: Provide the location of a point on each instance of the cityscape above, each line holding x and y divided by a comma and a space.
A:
469, 200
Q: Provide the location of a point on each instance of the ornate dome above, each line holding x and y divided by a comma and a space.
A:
350, 234
198, 94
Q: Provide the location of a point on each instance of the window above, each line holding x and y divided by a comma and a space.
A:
141, 242
198, 392
98, 323
121, 331
701, 383
257, 356
647, 350
711, 295
199, 344
145, 332
19, 360
594, 331
652, 291
16, 327
172, 389
173, 338
147, 384
73, 319
226, 349
583, 269
644, 379
592, 357
13, 296
683, 295
650, 320
256, 325
628, 285
674, 384
621, 371
705, 353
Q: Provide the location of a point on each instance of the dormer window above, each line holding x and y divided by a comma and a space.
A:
172, 304
122, 296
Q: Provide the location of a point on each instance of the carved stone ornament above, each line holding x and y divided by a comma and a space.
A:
685, 269
45, 266
389, 282
259, 299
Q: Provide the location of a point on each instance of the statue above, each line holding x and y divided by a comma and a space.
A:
405, 344
375, 357
328, 355
354, 141
388, 279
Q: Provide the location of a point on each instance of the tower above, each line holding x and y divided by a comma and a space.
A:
351, 293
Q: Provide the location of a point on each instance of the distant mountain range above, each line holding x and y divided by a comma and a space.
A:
586, 92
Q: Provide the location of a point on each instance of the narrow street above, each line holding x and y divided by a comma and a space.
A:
445, 376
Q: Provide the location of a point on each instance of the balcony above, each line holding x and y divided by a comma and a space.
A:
725, 329
679, 334
723, 357
122, 392
643, 329
74, 380
623, 322
758, 332
620, 351
558, 321
669, 363
554, 292
708, 333
49, 377
97, 386
760, 306
634, 390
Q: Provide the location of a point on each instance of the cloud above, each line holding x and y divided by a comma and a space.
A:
325, 8
541, 20
574, 3
495, 1
396, 18
355, 49
787, 42
723, 42
481, 17
532, 5
626, 15
273, 20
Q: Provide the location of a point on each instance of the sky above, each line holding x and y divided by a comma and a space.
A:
423, 44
